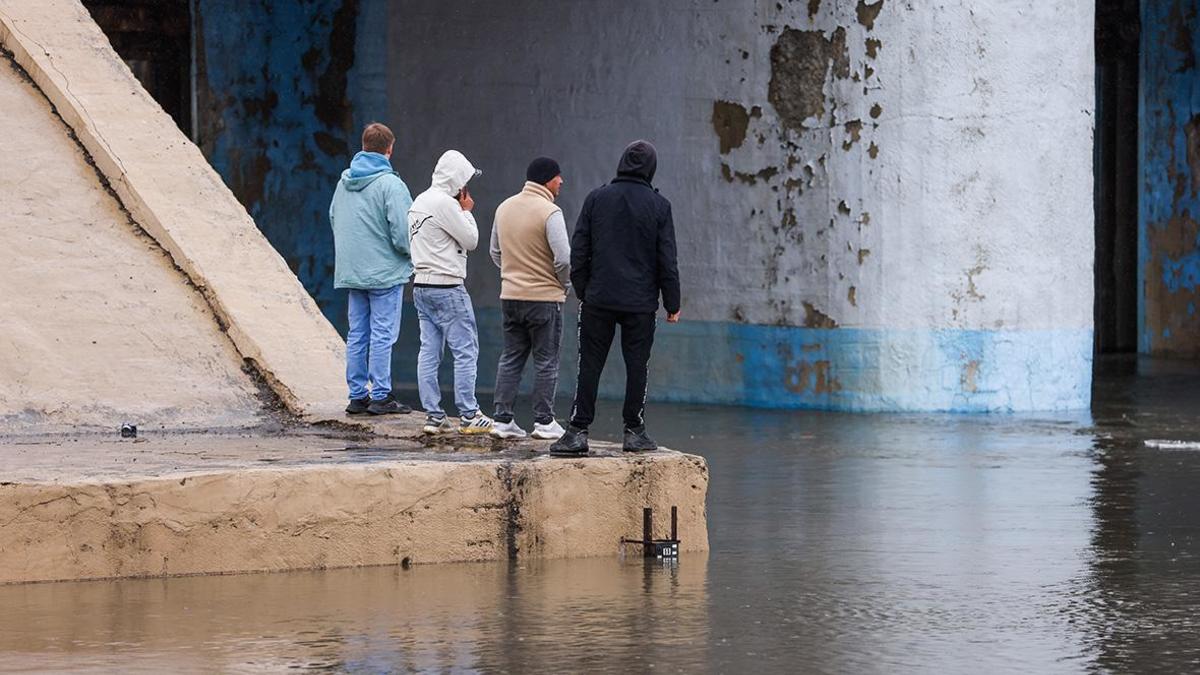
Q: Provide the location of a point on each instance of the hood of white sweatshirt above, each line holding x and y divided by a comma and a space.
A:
452, 172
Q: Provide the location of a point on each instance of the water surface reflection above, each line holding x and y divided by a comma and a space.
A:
840, 543
427, 618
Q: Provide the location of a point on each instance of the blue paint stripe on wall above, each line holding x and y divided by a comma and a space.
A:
829, 369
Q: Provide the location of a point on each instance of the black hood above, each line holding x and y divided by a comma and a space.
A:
639, 161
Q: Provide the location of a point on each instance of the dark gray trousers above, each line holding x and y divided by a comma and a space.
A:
529, 328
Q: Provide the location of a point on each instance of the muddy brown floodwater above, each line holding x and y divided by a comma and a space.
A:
840, 543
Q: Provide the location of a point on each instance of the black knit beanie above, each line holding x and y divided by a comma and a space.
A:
542, 170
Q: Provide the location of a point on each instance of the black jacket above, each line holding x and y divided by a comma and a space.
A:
623, 248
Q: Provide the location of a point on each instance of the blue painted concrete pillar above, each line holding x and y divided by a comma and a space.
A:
1169, 236
283, 90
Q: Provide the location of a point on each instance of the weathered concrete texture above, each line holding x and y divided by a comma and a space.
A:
1169, 248
283, 92
904, 187
216, 505
98, 326
176, 197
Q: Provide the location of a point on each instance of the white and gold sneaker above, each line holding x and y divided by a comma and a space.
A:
476, 424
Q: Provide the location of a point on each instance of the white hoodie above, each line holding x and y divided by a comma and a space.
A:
440, 231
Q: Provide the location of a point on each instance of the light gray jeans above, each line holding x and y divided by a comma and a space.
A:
529, 328
447, 320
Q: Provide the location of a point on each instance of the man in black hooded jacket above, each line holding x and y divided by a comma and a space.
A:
622, 259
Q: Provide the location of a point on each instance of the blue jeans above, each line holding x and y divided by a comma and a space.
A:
447, 320
374, 326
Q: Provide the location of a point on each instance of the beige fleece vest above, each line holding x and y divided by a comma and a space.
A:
526, 261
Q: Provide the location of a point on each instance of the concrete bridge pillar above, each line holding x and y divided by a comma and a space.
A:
920, 181
912, 187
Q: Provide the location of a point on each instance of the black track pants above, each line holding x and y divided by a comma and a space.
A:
596, 329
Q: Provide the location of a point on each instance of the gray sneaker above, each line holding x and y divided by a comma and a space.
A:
388, 406
437, 425
574, 443
358, 406
636, 440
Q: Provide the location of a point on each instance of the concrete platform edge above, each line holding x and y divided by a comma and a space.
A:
349, 515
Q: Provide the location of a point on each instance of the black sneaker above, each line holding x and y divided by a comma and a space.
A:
572, 444
388, 406
636, 440
358, 406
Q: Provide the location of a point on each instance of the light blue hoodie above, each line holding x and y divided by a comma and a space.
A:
369, 215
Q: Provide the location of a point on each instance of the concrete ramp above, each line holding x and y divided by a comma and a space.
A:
99, 325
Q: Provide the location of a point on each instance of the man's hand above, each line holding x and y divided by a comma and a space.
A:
673, 318
465, 200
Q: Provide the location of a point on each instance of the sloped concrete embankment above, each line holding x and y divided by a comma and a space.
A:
175, 196
99, 327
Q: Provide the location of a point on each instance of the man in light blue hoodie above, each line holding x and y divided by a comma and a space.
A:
369, 215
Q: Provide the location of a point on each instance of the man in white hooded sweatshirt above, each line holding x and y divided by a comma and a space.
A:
442, 231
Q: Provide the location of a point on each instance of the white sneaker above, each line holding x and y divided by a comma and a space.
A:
508, 430
549, 432
479, 424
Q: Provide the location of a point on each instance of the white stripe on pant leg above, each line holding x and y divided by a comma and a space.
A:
646, 388
578, 362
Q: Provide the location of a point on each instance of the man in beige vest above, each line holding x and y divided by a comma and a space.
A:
530, 246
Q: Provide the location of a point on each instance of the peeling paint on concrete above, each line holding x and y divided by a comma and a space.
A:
1191, 135
868, 12
748, 178
1169, 204
800, 61
730, 121
1173, 283
814, 6
873, 46
854, 131
805, 375
970, 374
815, 318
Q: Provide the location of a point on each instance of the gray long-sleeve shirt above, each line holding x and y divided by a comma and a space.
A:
556, 237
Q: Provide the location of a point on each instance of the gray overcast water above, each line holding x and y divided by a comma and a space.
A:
840, 543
